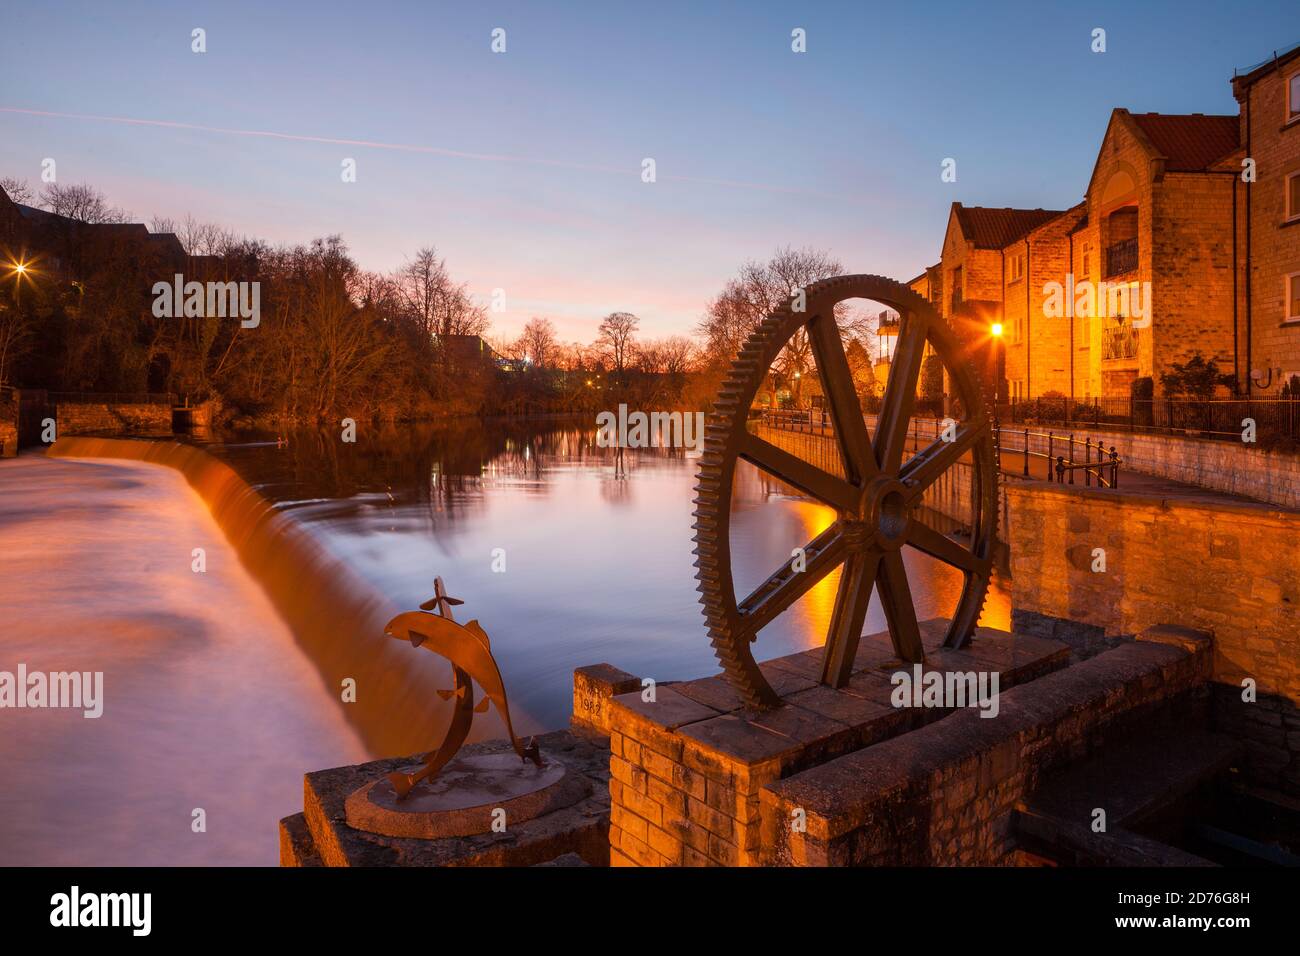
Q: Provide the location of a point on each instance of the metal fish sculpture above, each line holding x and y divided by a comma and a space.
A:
466, 647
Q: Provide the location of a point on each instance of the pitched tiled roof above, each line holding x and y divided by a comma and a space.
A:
991, 228
1190, 143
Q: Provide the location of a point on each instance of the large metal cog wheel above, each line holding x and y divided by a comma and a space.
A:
874, 501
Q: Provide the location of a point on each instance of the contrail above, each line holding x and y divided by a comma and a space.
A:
431, 151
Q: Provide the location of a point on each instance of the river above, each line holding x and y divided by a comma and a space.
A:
566, 553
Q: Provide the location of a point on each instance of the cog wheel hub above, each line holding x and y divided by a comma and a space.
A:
875, 493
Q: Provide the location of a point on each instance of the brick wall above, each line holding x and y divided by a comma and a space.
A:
1275, 246
1192, 271
1225, 566
674, 800
1038, 346
1219, 565
945, 794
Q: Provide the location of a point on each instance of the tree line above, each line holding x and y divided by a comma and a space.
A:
334, 339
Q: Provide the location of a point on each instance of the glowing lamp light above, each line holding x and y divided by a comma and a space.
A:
996, 329
20, 268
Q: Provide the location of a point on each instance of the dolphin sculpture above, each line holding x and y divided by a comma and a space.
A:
466, 647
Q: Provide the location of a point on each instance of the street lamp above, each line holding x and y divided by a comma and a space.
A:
19, 272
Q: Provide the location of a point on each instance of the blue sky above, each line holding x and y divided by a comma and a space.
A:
528, 173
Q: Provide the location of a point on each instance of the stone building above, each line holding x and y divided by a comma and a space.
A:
1173, 252
1269, 98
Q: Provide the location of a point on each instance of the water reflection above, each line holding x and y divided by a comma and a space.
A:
567, 553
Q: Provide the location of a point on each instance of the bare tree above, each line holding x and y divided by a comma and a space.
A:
538, 343
616, 332
436, 304
758, 290
81, 202
17, 189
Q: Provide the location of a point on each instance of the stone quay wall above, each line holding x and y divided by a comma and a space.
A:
101, 419
945, 795
1232, 467
1226, 566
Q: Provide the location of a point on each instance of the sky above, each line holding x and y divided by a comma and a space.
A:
524, 168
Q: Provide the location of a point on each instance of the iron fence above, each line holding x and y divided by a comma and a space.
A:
1023, 451
1275, 420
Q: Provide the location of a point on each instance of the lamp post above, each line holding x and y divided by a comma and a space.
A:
995, 340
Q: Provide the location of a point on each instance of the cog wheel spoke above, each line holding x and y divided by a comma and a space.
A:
822, 555
900, 394
900, 613
923, 469
926, 539
846, 411
851, 603
808, 478
874, 499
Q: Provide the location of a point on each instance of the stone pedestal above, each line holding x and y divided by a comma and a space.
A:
687, 768
351, 816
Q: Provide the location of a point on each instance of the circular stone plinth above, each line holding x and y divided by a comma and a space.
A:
462, 799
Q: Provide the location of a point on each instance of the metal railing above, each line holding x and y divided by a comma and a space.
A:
814, 421
1119, 342
1062, 454
1220, 419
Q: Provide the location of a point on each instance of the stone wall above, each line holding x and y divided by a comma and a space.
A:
99, 419
1231, 467
946, 794
1226, 566
688, 766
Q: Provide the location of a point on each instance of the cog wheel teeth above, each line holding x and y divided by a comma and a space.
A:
730, 637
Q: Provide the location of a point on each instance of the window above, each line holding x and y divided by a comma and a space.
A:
1293, 297
1087, 260
1293, 196
1293, 97
1016, 268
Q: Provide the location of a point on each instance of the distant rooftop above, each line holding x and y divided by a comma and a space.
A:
991, 228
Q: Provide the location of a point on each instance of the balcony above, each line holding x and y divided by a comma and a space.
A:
1119, 342
1121, 257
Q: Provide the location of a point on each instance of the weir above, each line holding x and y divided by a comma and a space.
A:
336, 616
